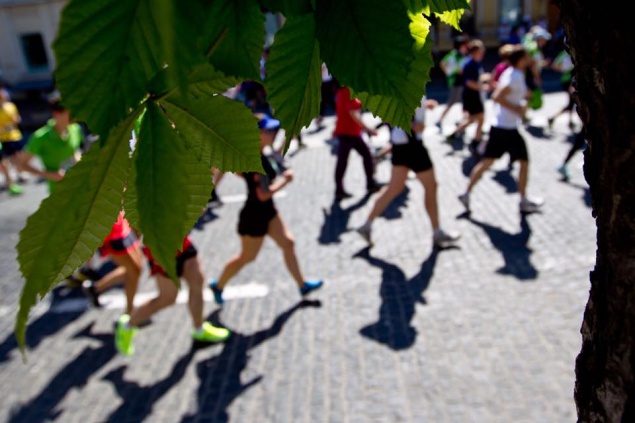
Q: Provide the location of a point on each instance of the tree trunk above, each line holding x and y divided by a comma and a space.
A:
601, 36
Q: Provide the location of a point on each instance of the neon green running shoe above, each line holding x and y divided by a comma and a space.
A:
210, 334
124, 335
15, 190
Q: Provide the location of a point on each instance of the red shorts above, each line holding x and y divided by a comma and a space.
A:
121, 240
187, 252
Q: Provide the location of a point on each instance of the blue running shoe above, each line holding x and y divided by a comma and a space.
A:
310, 286
218, 293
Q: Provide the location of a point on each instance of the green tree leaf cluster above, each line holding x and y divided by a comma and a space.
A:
159, 69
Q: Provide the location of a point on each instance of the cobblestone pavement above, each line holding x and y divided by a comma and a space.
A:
485, 333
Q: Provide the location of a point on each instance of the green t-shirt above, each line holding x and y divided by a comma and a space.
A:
453, 62
51, 148
565, 64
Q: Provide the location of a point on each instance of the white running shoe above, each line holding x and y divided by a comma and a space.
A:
444, 239
531, 205
465, 200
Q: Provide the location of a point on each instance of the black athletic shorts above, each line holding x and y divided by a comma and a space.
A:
412, 155
503, 141
181, 258
472, 102
254, 220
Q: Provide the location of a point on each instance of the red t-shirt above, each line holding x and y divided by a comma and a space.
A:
121, 240
344, 104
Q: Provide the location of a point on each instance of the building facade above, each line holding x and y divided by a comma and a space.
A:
488, 17
28, 29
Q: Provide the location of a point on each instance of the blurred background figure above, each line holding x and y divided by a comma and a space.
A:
11, 139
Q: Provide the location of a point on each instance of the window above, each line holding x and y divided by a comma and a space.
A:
34, 52
511, 11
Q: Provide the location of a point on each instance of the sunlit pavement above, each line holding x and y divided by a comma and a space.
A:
486, 333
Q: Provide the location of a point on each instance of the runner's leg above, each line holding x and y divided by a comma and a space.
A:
478, 172
193, 274
369, 165
283, 237
250, 249
343, 151
523, 177
429, 183
132, 261
166, 297
397, 183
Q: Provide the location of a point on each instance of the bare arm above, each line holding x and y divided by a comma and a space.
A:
275, 187
24, 163
500, 97
357, 117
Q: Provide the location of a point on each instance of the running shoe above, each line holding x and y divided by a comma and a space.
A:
342, 195
473, 148
465, 200
90, 290
15, 190
366, 233
210, 334
310, 286
218, 293
375, 187
564, 172
444, 239
124, 335
529, 205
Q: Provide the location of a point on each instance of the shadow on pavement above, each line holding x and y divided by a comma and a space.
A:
513, 247
538, 132
586, 194
393, 211
469, 163
45, 406
336, 221
399, 296
46, 325
505, 179
138, 401
220, 382
457, 144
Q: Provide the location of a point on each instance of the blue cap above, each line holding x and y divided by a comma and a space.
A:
268, 123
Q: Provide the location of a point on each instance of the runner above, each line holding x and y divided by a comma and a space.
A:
452, 65
510, 107
534, 43
121, 246
56, 144
409, 154
348, 130
189, 269
473, 95
329, 90
259, 218
11, 141
502, 66
564, 64
579, 143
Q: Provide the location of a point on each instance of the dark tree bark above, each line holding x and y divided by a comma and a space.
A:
601, 36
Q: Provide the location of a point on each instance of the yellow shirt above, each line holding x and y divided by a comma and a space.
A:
8, 128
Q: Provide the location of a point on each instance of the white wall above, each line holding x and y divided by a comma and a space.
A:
17, 18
